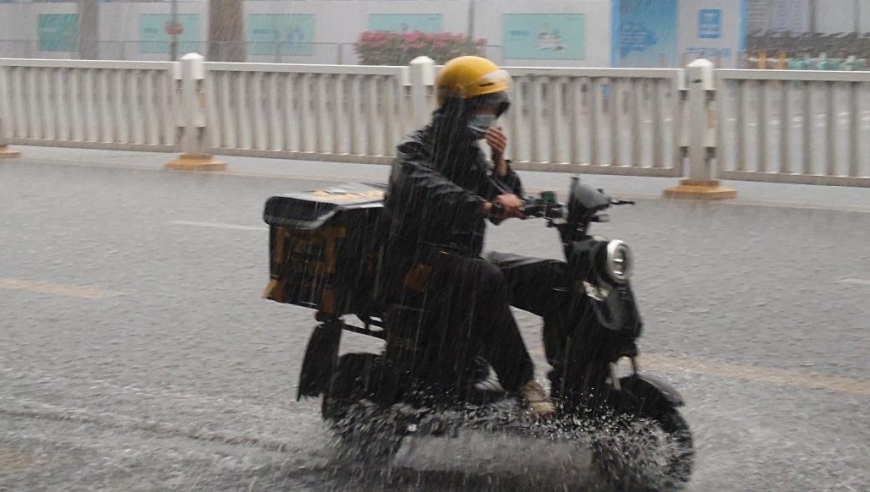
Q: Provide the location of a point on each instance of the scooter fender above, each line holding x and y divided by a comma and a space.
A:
650, 390
321, 357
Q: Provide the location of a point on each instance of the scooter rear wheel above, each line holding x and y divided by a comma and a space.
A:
350, 409
350, 383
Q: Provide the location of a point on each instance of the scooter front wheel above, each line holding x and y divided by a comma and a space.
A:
650, 449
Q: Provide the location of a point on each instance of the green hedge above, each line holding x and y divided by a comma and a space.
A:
394, 48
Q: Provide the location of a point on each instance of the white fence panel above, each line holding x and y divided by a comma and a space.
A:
313, 112
807, 127
88, 104
780, 126
604, 121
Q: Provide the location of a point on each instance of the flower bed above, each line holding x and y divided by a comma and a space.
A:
395, 48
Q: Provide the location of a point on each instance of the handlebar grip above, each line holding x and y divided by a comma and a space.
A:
621, 202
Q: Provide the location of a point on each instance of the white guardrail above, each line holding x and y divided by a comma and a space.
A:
323, 112
608, 121
88, 104
639, 122
807, 127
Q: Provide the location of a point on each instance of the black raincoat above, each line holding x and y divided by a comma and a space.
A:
438, 184
433, 208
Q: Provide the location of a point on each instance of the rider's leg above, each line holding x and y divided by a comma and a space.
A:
533, 284
481, 302
539, 286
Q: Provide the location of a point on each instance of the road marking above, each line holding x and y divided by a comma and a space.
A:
220, 226
780, 377
35, 409
855, 281
741, 203
16, 461
82, 292
799, 206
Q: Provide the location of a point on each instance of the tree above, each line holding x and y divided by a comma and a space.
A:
89, 29
226, 31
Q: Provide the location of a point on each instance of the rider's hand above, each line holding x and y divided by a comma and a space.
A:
511, 204
497, 141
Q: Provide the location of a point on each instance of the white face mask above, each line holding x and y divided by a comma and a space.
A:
485, 148
479, 124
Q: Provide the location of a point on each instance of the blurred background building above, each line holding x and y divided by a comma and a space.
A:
795, 34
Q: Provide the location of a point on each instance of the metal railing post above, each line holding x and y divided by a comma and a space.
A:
701, 81
193, 119
5, 151
422, 77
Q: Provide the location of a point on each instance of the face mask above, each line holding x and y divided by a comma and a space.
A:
480, 123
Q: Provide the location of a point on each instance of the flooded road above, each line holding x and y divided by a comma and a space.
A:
137, 354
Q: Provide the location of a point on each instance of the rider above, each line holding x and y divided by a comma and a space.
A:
441, 190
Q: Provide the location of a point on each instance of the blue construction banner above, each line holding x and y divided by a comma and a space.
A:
645, 33
544, 36
712, 29
58, 32
709, 23
285, 34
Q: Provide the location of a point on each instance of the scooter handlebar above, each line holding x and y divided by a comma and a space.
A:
615, 201
540, 209
496, 210
532, 208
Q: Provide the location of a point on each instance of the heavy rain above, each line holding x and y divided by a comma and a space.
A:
248, 245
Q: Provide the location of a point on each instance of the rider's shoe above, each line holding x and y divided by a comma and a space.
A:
536, 397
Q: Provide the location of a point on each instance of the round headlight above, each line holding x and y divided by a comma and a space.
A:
620, 262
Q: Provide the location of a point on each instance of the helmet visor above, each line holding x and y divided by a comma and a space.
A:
498, 100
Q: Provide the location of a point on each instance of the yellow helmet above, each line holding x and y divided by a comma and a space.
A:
466, 77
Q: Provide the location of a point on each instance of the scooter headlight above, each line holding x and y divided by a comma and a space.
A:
620, 262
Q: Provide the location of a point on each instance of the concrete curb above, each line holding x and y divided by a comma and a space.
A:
792, 196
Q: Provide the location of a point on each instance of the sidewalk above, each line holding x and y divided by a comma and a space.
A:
642, 188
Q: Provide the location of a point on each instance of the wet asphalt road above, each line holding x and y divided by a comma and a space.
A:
137, 354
